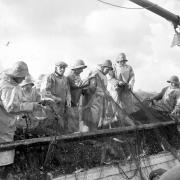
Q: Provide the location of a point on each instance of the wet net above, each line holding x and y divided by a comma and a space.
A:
62, 157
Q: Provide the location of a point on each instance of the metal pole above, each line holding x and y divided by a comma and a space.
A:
175, 19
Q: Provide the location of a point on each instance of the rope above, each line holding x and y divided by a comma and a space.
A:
123, 7
53, 142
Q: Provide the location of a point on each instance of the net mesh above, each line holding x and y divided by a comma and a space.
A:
61, 158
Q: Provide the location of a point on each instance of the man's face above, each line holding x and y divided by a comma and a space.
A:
28, 87
18, 80
174, 84
122, 63
111, 73
60, 70
78, 71
105, 70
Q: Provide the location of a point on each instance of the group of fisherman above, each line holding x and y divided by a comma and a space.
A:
19, 96
104, 97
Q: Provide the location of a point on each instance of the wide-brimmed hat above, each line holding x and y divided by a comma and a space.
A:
173, 79
121, 57
79, 64
61, 64
106, 63
157, 172
19, 69
26, 81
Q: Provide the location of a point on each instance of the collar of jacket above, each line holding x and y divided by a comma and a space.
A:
99, 69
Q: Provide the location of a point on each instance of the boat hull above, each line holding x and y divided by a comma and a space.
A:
124, 171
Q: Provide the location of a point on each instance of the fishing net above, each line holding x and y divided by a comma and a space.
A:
67, 157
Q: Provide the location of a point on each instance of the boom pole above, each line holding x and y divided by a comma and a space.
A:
175, 19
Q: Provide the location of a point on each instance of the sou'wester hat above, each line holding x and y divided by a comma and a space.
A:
26, 81
107, 63
173, 79
79, 64
19, 69
61, 63
121, 57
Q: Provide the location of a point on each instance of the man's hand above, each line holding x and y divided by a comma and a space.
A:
121, 83
176, 112
130, 87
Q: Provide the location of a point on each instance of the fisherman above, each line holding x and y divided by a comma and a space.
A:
96, 103
76, 83
167, 99
57, 88
125, 74
29, 93
77, 86
10, 105
115, 112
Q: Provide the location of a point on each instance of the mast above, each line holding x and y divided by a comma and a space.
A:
175, 19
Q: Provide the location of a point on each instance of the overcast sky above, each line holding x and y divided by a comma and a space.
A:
41, 32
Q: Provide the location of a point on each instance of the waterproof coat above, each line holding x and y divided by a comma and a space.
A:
112, 87
167, 99
57, 87
10, 106
76, 86
32, 118
125, 74
117, 116
94, 112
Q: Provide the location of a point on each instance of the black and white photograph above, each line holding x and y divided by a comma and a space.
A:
89, 89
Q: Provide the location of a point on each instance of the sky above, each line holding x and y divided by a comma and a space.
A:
45, 31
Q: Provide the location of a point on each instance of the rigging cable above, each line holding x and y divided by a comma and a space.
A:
123, 7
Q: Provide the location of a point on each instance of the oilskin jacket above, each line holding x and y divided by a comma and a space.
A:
10, 106
95, 111
76, 86
125, 74
58, 86
167, 99
112, 87
30, 119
